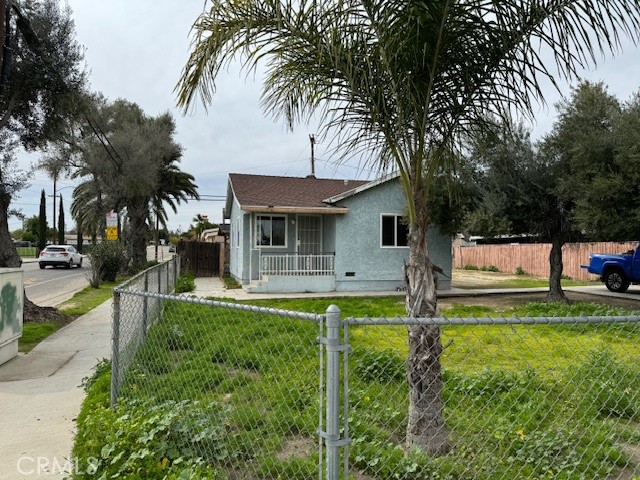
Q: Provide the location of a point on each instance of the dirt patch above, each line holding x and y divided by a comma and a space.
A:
36, 314
501, 301
298, 447
479, 279
629, 471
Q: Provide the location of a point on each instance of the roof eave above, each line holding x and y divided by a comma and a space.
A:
299, 210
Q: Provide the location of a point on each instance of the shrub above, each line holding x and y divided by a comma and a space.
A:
156, 439
186, 283
520, 271
107, 260
490, 268
470, 267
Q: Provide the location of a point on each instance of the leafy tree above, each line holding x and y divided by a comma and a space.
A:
520, 194
32, 225
45, 73
598, 137
37, 92
129, 165
403, 82
12, 180
201, 224
42, 230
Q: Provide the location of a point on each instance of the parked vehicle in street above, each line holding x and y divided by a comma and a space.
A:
617, 271
60, 255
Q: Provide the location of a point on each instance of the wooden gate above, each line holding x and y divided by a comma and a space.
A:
199, 258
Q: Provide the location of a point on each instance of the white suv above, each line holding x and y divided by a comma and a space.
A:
60, 255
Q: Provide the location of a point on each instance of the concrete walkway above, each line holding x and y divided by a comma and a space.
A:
40, 397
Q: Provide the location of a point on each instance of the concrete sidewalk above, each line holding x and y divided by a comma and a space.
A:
40, 395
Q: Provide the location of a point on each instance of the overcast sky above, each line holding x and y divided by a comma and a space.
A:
136, 49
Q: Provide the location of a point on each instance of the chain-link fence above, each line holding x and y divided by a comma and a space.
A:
261, 393
140, 313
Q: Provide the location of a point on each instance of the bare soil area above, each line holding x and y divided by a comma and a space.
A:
516, 299
478, 279
471, 279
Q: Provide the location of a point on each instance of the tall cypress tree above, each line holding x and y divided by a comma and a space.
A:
61, 240
42, 229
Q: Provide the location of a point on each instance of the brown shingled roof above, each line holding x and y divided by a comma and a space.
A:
296, 192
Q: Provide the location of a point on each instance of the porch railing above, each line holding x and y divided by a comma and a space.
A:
297, 264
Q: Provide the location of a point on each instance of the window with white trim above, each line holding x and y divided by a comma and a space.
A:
393, 232
271, 231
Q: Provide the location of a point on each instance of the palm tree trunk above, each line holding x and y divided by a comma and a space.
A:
425, 428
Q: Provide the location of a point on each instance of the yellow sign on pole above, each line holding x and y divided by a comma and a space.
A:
112, 233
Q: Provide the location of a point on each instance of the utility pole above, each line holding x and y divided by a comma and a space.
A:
312, 139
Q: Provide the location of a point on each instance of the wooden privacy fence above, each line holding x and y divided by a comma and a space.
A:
533, 258
199, 258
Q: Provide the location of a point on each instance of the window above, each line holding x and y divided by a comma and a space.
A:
394, 232
271, 231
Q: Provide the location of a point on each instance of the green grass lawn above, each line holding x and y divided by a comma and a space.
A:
520, 401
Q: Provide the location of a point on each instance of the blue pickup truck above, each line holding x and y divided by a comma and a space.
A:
617, 271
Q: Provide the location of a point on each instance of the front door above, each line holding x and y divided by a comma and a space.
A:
309, 234
309, 244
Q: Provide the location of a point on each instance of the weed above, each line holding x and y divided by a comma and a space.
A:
230, 282
490, 268
186, 283
379, 365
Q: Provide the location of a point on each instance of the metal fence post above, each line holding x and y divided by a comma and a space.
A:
333, 393
145, 306
115, 347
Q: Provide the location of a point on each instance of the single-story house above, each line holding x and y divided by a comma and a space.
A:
295, 234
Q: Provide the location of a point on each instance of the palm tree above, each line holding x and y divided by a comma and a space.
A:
89, 205
402, 82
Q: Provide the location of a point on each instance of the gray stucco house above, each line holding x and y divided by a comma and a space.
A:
294, 234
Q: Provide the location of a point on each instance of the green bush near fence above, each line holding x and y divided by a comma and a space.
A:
555, 417
186, 283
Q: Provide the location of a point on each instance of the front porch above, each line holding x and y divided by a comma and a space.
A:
295, 273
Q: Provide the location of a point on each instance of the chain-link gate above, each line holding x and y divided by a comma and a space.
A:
261, 393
